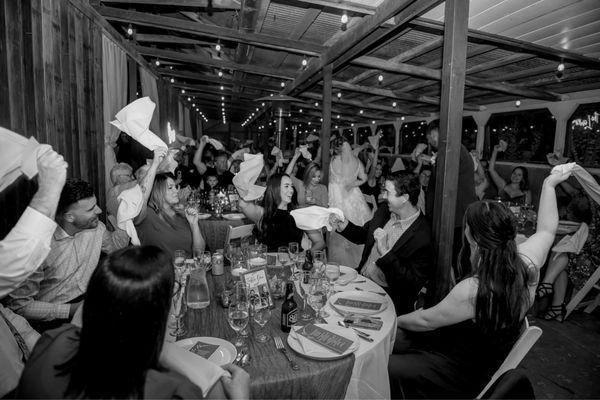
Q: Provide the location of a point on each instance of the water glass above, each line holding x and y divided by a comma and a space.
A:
332, 271
262, 315
319, 260
305, 315
293, 250
198, 294
237, 316
257, 256
317, 297
283, 255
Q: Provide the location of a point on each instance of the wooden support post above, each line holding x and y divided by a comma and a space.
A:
131, 79
481, 118
562, 112
447, 169
326, 126
355, 134
397, 127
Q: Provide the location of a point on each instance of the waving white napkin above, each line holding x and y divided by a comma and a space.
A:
315, 217
503, 145
131, 202
419, 149
239, 154
584, 178
249, 141
374, 140
573, 243
312, 138
555, 159
186, 140
304, 151
216, 144
201, 372
134, 119
398, 165
244, 180
309, 347
275, 151
18, 155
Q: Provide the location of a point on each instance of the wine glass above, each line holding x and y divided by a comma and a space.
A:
293, 249
238, 313
332, 271
319, 260
178, 304
317, 297
304, 291
262, 315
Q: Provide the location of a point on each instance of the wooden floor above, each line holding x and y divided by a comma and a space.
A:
565, 362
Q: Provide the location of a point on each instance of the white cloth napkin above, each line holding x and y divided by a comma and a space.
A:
309, 347
244, 180
304, 151
555, 159
239, 154
216, 144
275, 151
419, 149
312, 138
249, 141
131, 202
398, 165
573, 243
315, 217
201, 372
186, 140
374, 140
18, 155
503, 145
134, 119
584, 178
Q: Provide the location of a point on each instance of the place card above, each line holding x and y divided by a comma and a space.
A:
204, 350
332, 341
366, 305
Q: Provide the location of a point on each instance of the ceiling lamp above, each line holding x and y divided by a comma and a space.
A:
157, 62
304, 62
220, 73
130, 30
182, 91
344, 21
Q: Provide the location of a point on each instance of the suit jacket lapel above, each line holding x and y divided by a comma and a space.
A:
408, 233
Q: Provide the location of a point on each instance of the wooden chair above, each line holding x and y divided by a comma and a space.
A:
370, 199
529, 335
576, 301
238, 232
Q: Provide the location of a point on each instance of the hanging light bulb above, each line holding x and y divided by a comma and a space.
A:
394, 104
189, 99
304, 62
222, 88
172, 80
130, 30
182, 91
218, 47
360, 111
373, 122
262, 104
222, 97
560, 67
344, 21
300, 110
339, 95
316, 104
380, 79
282, 84
220, 73
157, 63
338, 116
518, 103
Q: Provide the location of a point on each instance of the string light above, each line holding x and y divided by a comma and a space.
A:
344, 20
220, 73
157, 63
518, 103
316, 104
304, 62
189, 99
339, 95
129, 30
222, 88
380, 78
218, 47
282, 84
360, 111
394, 104
172, 80
560, 67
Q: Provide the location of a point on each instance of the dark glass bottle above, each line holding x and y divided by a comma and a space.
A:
289, 309
307, 266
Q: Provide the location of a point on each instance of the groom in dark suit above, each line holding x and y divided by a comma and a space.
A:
398, 251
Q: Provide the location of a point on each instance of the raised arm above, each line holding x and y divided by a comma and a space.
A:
252, 211
498, 181
200, 166
290, 167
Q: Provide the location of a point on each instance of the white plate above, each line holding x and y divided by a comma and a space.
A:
204, 216
358, 295
225, 354
347, 275
322, 353
234, 216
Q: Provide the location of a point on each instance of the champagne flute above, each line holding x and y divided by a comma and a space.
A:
262, 315
304, 291
293, 249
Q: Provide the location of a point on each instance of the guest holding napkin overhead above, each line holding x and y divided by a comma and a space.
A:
309, 190
453, 348
164, 224
517, 190
116, 352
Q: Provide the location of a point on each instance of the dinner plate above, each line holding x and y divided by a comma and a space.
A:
358, 296
234, 216
204, 216
322, 353
225, 354
347, 275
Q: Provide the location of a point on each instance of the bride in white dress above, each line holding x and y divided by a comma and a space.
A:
346, 174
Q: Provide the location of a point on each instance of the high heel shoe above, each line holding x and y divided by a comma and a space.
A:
544, 289
555, 312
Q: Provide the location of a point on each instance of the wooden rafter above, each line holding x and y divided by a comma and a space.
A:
370, 106
216, 80
339, 111
216, 4
222, 33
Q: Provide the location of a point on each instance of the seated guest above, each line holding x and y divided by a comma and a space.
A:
452, 349
517, 191
309, 191
375, 179
275, 226
116, 352
398, 252
164, 224
220, 168
51, 295
21, 253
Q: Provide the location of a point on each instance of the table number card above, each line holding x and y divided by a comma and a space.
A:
366, 305
334, 342
204, 350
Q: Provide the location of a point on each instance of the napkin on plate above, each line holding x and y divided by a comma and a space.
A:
312, 138
131, 202
134, 119
315, 217
310, 347
200, 371
572, 243
244, 180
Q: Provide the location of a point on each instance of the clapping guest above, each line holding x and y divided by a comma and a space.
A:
116, 352
275, 225
517, 190
165, 224
452, 349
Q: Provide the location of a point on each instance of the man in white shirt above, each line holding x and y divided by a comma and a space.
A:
54, 291
21, 253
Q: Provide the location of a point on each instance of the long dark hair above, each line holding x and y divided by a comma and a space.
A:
271, 202
124, 319
502, 291
524, 184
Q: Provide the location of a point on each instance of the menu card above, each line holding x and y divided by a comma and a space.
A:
332, 341
367, 305
204, 350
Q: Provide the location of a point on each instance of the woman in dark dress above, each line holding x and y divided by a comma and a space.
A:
453, 348
274, 224
517, 190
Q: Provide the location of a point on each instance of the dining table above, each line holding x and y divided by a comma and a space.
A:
360, 375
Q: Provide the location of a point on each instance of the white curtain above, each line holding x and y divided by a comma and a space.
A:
114, 82
149, 89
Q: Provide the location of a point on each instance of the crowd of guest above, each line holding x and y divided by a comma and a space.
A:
60, 253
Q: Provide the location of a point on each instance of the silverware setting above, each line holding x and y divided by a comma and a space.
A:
280, 347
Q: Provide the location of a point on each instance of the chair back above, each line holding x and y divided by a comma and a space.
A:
529, 335
370, 199
238, 232
513, 384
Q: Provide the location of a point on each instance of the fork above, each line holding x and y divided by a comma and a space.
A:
279, 345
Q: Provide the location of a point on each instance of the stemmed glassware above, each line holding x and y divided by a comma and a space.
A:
178, 303
294, 249
305, 291
262, 315
319, 260
238, 313
332, 271
317, 297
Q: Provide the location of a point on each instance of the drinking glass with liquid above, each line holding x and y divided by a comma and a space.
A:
198, 294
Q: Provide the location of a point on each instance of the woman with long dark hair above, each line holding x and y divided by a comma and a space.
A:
275, 225
515, 191
167, 225
309, 190
115, 354
453, 348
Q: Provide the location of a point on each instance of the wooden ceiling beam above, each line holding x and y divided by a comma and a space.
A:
142, 37
217, 32
210, 62
217, 80
360, 104
435, 74
336, 110
214, 4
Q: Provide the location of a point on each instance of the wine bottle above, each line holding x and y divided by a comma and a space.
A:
289, 309
307, 266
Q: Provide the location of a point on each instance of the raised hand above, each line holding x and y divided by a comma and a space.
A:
52, 171
159, 154
191, 214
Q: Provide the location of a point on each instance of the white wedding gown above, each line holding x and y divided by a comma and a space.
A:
344, 169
